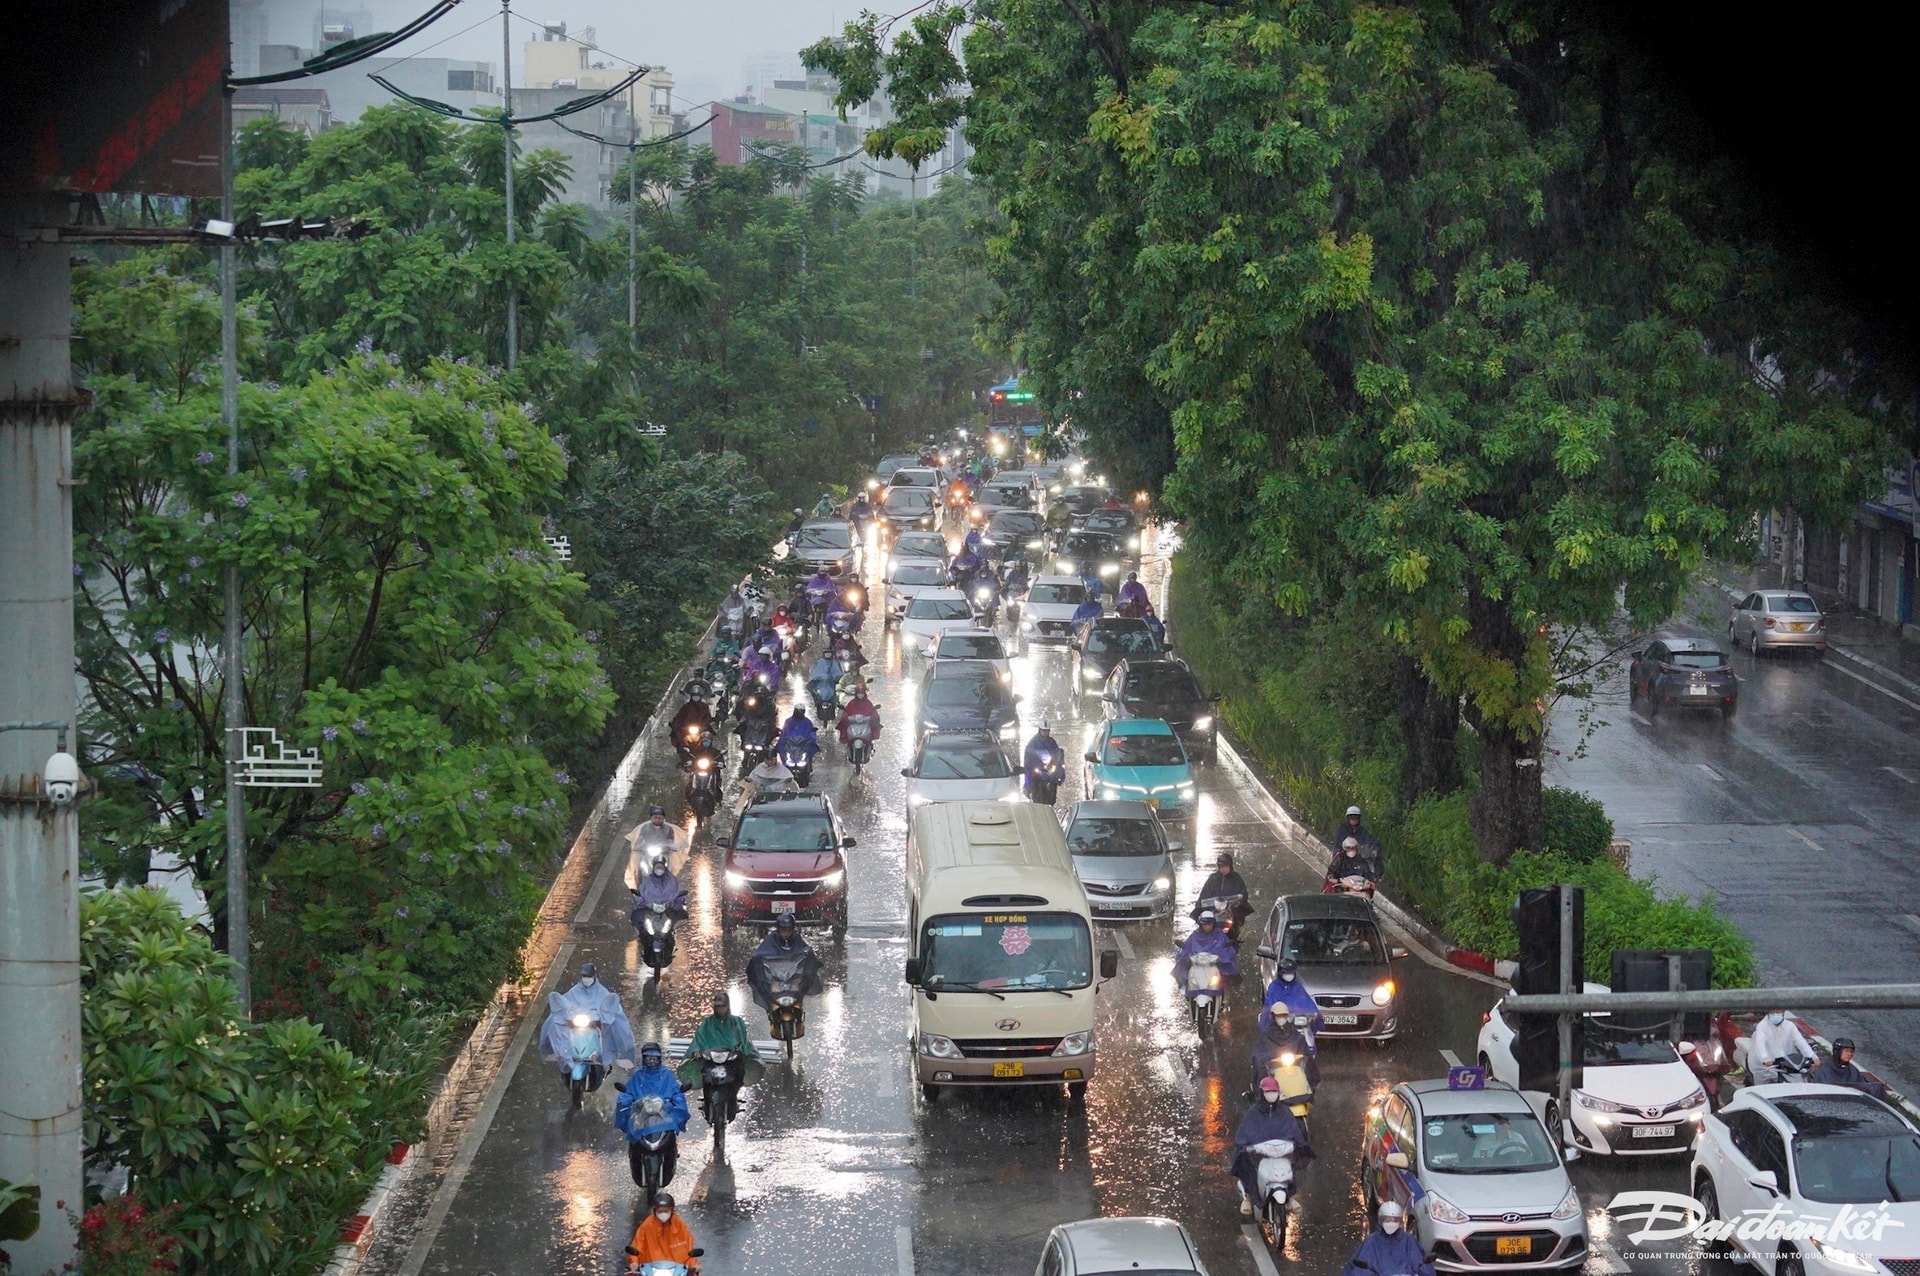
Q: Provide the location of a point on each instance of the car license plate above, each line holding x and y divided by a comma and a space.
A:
1339, 1021
1504, 1245
782, 906
1797, 627
1152, 802
1009, 1070
1652, 1131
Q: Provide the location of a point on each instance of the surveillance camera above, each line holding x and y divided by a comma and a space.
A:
63, 778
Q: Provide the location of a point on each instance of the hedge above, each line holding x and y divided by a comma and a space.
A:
1323, 748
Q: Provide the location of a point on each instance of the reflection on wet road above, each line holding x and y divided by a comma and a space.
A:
839, 1166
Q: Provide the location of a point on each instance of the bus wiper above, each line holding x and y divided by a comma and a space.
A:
947, 987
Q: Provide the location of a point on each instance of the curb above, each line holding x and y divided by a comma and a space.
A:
357, 1235
1841, 650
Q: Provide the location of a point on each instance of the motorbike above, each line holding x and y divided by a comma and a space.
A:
817, 599
690, 742
1288, 1057
661, 1267
986, 602
704, 781
786, 999
652, 1156
1229, 910
826, 700
1206, 991
859, 740
796, 759
719, 1093
1352, 884
1709, 1062
756, 738
1273, 1177
722, 675
584, 1069
654, 924
1043, 781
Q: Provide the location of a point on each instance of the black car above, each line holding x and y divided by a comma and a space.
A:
1099, 645
905, 508
1090, 554
1015, 534
1164, 688
967, 696
1121, 524
1684, 672
1083, 499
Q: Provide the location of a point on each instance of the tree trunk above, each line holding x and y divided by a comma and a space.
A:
1505, 813
1430, 722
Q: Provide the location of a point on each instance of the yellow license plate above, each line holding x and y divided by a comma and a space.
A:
1504, 1245
1152, 802
1797, 627
1009, 1070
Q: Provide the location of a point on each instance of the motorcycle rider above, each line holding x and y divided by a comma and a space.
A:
1840, 1069
1286, 995
1369, 844
1389, 1250
820, 590
1044, 754
653, 838
1091, 580
823, 680
1019, 576
724, 1030
1266, 1119
1155, 626
785, 626
1352, 862
771, 775
1133, 599
964, 565
1088, 611
783, 941
696, 712
861, 513
733, 613
659, 886
726, 647
662, 1237
600, 1001
824, 507
757, 709
759, 670
1207, 937
858, 706
1223, 883
651, 1081
799, 734
1775, 1040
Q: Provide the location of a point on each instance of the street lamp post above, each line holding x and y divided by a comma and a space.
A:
506, 133
236, 809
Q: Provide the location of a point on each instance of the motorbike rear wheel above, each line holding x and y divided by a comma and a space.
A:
578, 1086
1273, 1223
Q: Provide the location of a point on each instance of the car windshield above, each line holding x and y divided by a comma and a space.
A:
1696, 659
915, 478
1081, 500
918, 575
1016, 523
1161, 686
924, 608
1603, 1047
962, 693
1130, 640
1798, 603
970, 646
1144, 750
1075, 594
1079, 546
1486, 1143
1018, 495
794, 831
908, 498
1858, 1170
1333, 940
822, 537
991, 952
920, 545
963, 760
1097, 835
1110, 521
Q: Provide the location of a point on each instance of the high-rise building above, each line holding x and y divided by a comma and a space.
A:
557, 60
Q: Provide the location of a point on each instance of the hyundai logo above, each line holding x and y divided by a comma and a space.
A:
1007, 1025
1509, 1218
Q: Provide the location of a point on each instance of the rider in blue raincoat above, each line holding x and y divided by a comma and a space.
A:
598, 1000
1087, 611
1266, 1119
1209, 938
799, 733
1390, 1249
650, 1080
1287, 991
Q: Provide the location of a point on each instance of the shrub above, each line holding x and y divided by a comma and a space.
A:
1576, 825
122, 1237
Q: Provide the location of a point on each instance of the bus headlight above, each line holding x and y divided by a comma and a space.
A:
1074, 1043
937, 1047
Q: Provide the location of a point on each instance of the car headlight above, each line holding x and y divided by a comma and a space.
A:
734, 881
1203, 723
1012, 795
1133, 542
935, 1046
908, 640
833, 880
1441, 1210
1842, 1258
1186, 788
1109, 790
1569, 1206
1383, 994
1594, 1104
1092, 675
1028, 622
1033, 544
1694, 1100
1066, 566
1074, 1043
1109, 569
1162, 883
918, 799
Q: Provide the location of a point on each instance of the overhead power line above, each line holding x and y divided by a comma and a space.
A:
352, 51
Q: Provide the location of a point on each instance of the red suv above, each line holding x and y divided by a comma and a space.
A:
785, 857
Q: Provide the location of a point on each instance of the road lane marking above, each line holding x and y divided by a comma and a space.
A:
1898, 774
1711, 773
1641, 718
1257, 1246
1615, 1265
1842, 669
903, 1246
1809, 841
1453, 1060
1912, 922
1124, 944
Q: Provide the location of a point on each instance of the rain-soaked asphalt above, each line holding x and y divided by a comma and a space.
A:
1797, 816
838, 1166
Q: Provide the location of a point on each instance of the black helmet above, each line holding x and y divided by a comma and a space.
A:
656, 810
589, 971
783, 923
663, 1198
651, 1048
1843, 1043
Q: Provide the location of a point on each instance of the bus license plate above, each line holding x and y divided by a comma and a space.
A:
1652, 1131
1342, 1021
1009, 1070
1504, 1245
782, 906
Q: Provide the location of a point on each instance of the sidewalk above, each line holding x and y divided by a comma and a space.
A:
1866, 642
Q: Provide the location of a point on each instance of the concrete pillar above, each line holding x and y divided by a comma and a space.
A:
39, 844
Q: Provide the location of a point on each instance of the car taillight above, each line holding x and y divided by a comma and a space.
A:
1771, 622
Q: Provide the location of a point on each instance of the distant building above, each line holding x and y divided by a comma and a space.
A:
457, 82
306, 109
559, 61
737, 125
593, 163
1873, 563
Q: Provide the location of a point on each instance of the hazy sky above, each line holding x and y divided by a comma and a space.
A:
709, 45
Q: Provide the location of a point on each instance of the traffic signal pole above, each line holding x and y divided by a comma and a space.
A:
1571, 970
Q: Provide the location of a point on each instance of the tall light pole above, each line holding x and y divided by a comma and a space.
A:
506, 132
633, 151
232, 666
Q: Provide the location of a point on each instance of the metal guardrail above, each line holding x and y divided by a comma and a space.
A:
1821, 996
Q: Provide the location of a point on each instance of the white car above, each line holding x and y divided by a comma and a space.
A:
920, 548
1047, 613
932, 612
908, 581
1803, 1154
982, 645
1637, 1096
1110, 1246
961, 766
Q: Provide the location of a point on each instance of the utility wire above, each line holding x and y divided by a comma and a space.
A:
353, 50
635, 146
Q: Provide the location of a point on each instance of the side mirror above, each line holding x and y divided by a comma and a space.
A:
1397, 1160
907, 771
1767, 1181
1092, 759
696, 1252
1265, 950
1109, 963
913, 971
724, 843
1176, 846
849, 842
1396, 952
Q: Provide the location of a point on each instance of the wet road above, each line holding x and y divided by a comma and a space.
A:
1797, 816
838, 1166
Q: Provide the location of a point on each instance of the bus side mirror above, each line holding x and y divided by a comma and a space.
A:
1109, 963
1397, 1160
913, 971
724, 843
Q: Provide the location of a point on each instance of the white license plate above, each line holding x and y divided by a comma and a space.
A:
782, 906
1339, 1021
1652, 1131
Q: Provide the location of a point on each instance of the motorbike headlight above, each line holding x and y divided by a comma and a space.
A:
833, 880
703, 764
1066, 566
1133, 542
1441, 1210
1074, 1043
1569, 1206
1383, 994
1033, 544
1109, 569
1203, 723
1593, 1104
1162, 883
734, 881
1288, 1058
583, 1021
1092, 675
935, 1046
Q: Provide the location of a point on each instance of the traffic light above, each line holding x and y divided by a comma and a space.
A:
1536, 1038
1647, 970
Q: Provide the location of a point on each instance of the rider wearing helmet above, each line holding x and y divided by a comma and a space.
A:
1286, 995
654, 838
651, 1080
662, 1237
1389, 1247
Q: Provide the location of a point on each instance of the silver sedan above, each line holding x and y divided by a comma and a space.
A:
1768, 619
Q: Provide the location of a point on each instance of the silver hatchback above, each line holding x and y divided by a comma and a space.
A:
1124, 859
1770, 619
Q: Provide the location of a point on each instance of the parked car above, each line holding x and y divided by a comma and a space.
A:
961, 766
982, 645
1483, 1185
910, 507
1101, 644
1106, 1246
931, 613
784, 856
1798, 1151
1344, 960
1047, 613
1141, 758
826, 542
1124, 858
919, 546
910, 580
1772, 619
1084, 553
1164, 688
1688, 672
1637, 1096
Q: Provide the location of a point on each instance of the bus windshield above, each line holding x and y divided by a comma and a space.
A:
995, 952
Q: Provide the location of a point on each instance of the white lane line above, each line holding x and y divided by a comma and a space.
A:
1711, 773
1809, 841
1257, 1246
1615, 1265
1898, 774
1124, 944
1842, 669
1912, 922
903, 1246
1453, 1060
1641, 718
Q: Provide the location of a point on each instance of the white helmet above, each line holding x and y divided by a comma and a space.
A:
1353, 810
1392, 1210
